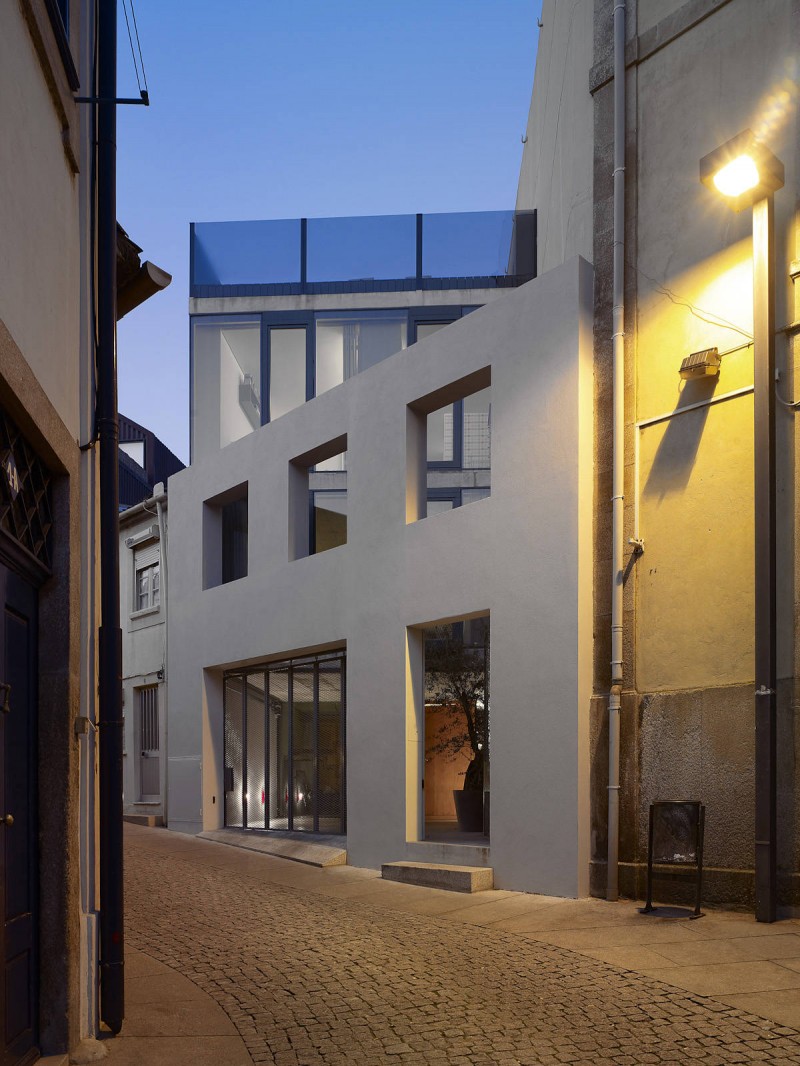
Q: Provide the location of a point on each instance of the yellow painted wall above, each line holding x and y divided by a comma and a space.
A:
695, 579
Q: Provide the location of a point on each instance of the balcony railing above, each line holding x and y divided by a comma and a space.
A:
373, 253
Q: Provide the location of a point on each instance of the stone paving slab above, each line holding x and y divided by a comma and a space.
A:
308, 977
170, 1021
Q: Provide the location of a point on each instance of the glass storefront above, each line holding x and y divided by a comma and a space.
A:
284, 746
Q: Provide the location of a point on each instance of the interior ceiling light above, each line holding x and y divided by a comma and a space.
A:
743, 170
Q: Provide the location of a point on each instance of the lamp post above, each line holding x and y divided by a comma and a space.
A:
746, 173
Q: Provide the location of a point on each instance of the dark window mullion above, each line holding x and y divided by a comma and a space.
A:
290, 744
315, 784
265, 382
458, 434
245, 767
267, 718
343, 736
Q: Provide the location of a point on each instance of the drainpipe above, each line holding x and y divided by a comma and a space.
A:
110, 635
162, 539
618, 463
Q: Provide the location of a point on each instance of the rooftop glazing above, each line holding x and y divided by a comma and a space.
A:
366, 253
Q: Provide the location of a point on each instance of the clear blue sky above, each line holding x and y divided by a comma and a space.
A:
288, 108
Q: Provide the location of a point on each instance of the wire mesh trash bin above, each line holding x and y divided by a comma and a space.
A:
675, 846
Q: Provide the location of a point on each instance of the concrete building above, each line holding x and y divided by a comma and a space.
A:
143, 608
666, 590
145, 464
316, 548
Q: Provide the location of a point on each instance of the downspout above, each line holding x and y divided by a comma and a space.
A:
110, 635
162, 537
618, 461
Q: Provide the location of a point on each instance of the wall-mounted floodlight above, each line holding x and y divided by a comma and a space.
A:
701, 364
742, 170
746, 173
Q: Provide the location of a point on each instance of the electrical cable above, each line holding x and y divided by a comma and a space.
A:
710, 317
139, 46
130, 41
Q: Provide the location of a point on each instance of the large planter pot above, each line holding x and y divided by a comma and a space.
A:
469, 809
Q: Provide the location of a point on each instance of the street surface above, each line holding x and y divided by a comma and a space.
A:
311, 974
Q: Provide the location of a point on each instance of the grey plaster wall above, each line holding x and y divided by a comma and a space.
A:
522, 555
556, 173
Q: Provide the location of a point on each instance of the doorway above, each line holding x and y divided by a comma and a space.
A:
285, 746
148, 746
18, 820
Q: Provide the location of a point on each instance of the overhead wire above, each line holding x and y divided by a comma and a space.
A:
137, 63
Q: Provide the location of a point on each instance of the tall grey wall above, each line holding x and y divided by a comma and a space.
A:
523, 556
556, 173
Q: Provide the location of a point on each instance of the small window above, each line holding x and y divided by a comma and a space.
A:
234, 540
449, 429
318, 500
147, 578
225, 537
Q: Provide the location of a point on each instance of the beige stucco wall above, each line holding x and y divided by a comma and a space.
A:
39, 220
556, 173
693, 279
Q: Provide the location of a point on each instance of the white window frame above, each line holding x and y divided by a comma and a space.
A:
147, 560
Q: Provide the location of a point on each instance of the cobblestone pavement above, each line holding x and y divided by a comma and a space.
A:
308, 979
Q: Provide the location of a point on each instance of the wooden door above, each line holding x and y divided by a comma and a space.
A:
18, 827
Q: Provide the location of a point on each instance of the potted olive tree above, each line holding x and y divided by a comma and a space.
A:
456, 678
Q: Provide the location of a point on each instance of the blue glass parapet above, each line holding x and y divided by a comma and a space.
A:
372, 253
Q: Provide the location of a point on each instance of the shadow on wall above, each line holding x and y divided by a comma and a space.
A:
676, 453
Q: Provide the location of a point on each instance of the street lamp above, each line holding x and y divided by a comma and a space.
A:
746, 173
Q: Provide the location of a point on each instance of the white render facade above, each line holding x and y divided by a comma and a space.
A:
521, 556
143, 617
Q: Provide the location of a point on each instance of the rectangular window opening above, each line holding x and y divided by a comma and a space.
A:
147, 577
225, 537
448, 447
318, 500
284, 746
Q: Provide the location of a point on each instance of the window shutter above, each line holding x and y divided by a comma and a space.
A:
146, 556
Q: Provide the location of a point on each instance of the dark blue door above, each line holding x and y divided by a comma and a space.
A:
18, 820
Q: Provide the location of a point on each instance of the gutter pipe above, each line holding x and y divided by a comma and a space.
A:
110, 635
618, 461
162, 536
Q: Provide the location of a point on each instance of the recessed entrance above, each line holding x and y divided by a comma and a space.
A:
456, 739
284, 746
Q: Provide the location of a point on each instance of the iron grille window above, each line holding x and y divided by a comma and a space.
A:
148, 717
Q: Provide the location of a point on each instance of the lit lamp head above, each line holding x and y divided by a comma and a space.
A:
742, 170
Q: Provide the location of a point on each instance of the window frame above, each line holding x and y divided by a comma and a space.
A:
416, 315
152, 604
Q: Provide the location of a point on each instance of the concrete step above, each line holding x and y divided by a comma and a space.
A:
439, 875
312, 854
150, 820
